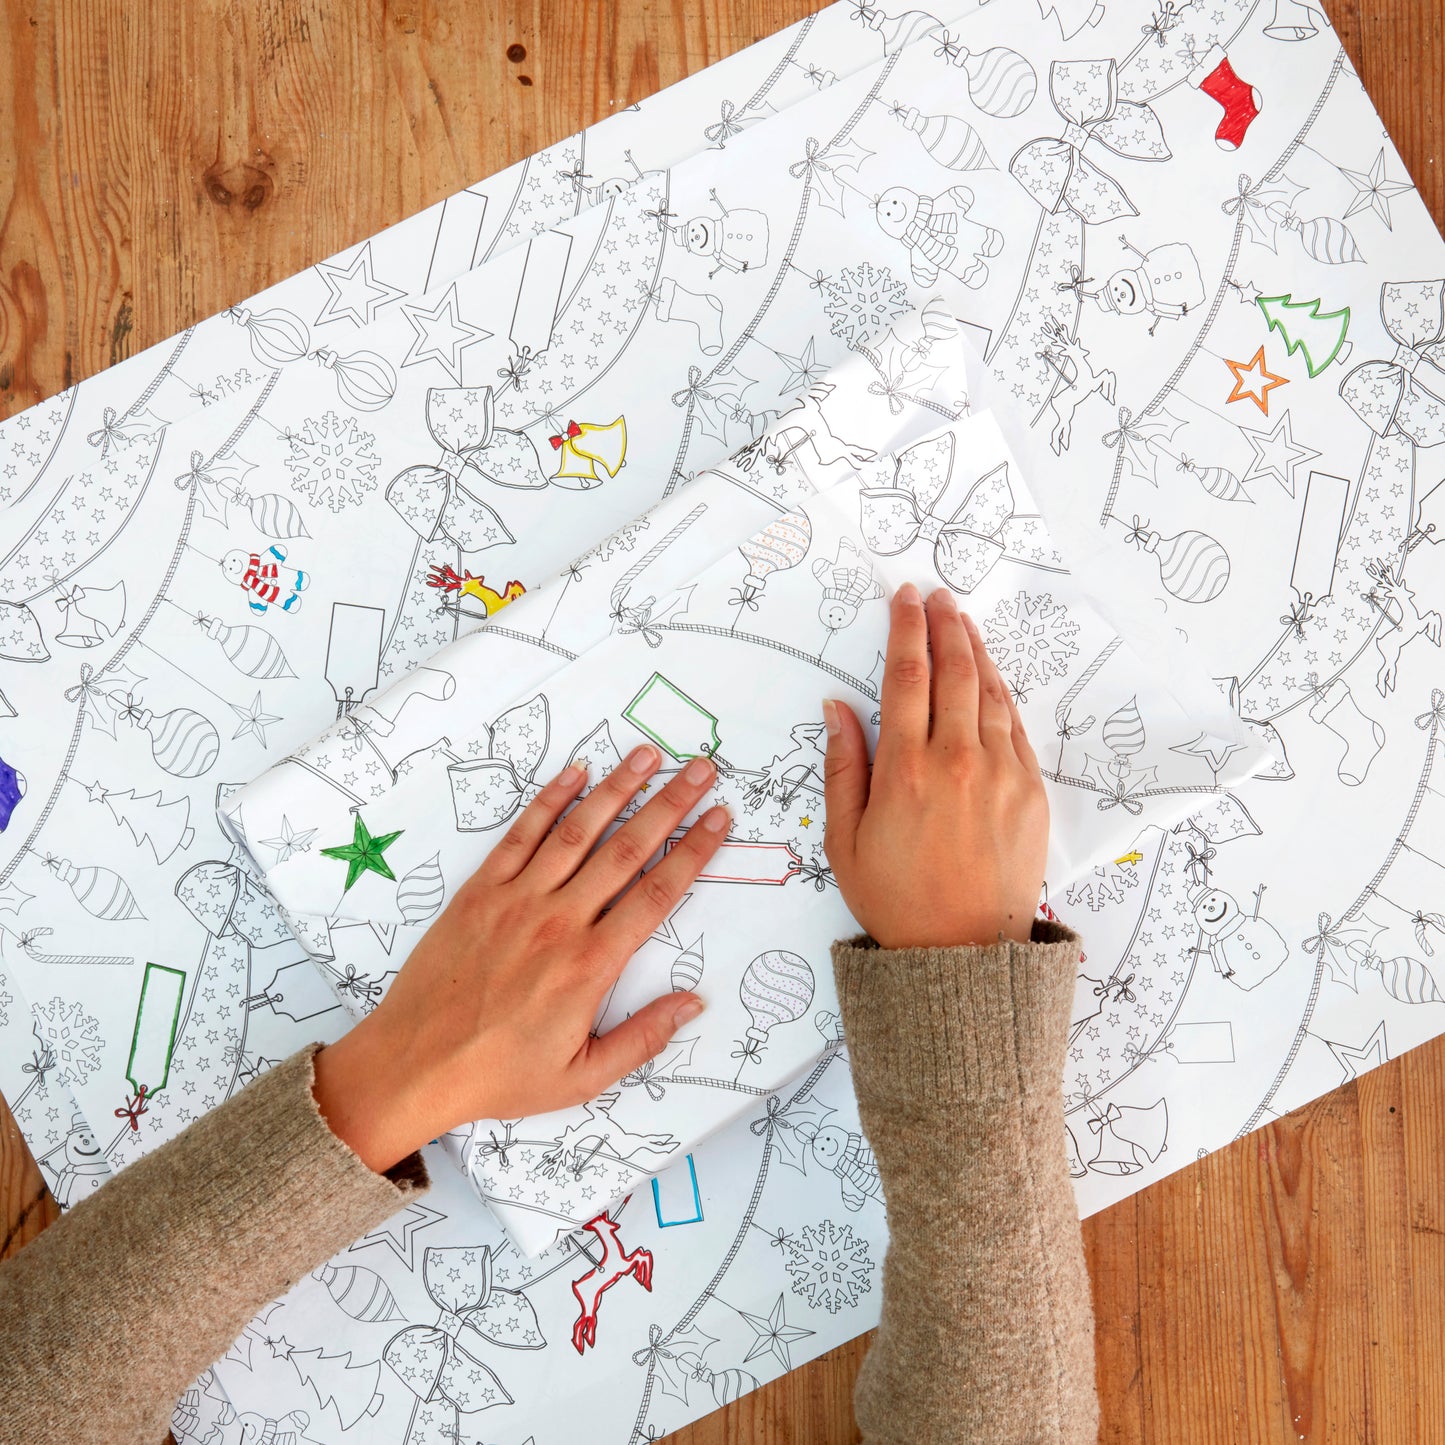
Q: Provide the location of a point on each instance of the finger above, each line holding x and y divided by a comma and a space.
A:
903, 699
622, 856
845, 779
636, 1040
995, 719
1020, 738
638, 913
517, 846
955, 674
566, 847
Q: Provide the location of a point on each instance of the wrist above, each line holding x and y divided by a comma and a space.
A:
369, 1097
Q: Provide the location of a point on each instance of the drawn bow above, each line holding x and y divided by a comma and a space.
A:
441, 1364
1405, 396
1056, 173
489, 791
432, 498
966, 544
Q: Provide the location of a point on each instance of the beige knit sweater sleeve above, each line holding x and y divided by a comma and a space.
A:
987, 1334
116, 1308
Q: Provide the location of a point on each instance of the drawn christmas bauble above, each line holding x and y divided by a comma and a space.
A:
687, 968
1408, 980
728, 1385
102, 893
782, 544
419, 894
364, 379
1192, 565
360, 1293
950, 141
277, 337
1000, 81
776, 988
250, 650
275, 515
183, 742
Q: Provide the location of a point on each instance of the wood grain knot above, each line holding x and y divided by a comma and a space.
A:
238, 183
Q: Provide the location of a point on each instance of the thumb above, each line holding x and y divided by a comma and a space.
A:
845, 778
637, 1039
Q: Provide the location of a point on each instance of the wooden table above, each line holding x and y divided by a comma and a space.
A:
161, 161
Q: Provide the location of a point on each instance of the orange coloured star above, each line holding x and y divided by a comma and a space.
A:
1259, 374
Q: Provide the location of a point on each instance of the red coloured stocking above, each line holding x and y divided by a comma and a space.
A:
1215, 76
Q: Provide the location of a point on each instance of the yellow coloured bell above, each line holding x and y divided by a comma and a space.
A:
586, 447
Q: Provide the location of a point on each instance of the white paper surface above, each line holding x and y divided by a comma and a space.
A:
299, 410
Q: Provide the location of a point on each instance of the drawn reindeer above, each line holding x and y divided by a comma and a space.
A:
801, 767
1387, 587
807, 417
1069, 358
616, 1263
601, 1132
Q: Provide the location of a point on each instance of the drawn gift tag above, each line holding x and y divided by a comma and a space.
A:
153, 1040
681, 726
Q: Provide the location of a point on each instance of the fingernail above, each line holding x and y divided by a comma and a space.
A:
572, 774
687, 1011
698, 771
908, 595
944, 597
643, 759
715, 820
830, 717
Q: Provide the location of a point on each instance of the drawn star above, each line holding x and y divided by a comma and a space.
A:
398, 1231
95, 791
1214, 750
774, 1335
1369, 1055
441, 335
253, 720
805, 821
355, 292
1259, 373
13, 898
1277, 454
803, 371
290, 840
363, 853
1374, 190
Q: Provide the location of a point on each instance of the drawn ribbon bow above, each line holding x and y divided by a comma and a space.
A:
1405, 396
968, 542
558, 441
1055, 172
441, 1364
1110, 1116
489, 791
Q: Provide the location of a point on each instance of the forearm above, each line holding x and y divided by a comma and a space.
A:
113, 1311
987, 1328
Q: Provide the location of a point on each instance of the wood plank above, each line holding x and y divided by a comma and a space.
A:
163, 161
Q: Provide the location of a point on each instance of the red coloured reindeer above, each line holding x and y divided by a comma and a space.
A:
616, 1263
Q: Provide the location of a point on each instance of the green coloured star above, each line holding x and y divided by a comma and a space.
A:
363, 852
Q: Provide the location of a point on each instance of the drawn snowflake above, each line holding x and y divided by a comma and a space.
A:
1032, 638
1103, 885
332, 461
863, 302
71, 1036
830, 1266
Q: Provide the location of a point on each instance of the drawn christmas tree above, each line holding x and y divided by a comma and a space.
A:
149, 818
350, 1389
1319, 335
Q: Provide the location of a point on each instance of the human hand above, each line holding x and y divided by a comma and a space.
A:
491, 1015
945, 843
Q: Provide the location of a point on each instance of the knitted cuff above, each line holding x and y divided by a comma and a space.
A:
971, 1021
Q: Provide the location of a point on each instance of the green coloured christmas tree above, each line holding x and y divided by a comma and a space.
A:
1319, 335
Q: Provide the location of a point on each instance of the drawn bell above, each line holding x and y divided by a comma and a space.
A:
1114, 1155
1293, 20
588, 454
1077, 1167
1125, 1134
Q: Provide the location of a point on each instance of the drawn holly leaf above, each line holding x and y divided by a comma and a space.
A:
721, 402
1139, 438
1267, 207
682, 1361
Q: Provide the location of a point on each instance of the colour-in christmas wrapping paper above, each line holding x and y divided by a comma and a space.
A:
1209, 308
708, 627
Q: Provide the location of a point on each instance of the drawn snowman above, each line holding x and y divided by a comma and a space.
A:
84, 1168
939, 233
1244, 949
736, 240
1166, 283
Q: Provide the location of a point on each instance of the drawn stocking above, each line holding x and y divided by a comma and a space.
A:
677, 303
1363, 737
1215, 76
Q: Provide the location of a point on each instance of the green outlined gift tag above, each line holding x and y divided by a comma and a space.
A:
682, 728
153, 1040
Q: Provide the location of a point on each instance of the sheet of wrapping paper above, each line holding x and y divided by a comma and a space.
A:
709, 627
1323, 633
